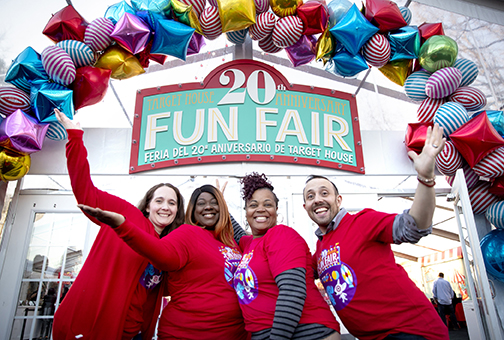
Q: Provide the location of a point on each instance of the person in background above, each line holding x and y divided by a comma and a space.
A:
373, 296
274, 281
200, 258
443, 294
117, 294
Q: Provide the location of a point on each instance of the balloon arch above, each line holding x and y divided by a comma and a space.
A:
75, 73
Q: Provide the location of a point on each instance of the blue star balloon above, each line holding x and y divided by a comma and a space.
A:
26, 68
353, 30
496, 118
171, 38
347, 65
404, 43
45, 97
155, 6
116, 11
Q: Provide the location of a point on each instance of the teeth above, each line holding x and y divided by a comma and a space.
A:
261, 219
320, 210
208, 215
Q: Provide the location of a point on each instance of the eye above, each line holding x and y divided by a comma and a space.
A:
253, 205
324, 193
309, 196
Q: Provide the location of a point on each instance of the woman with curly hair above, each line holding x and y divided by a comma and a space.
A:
274, 281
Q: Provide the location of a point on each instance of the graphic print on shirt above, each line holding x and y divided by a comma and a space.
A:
245, 281
232, 258
338, 278
151, 277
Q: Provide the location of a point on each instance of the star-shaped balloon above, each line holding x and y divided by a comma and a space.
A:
155, 6
497, 187
116, 11
428, 30
325, 47
301, 52
145, 56
476, 139
13, 165
404, 43
25, 68
237, 15
123, 64
66, 24
353, 30
416, 134
384, 14
337, 9
496, 118
171, 38
397, 71
348, 65
184, 14
196, 43
314, 15
45, 97
131, 32
90, 85
22, 133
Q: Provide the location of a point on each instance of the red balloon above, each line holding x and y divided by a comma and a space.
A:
497, 187
90, 85
314, 15
144, 56
415, 136
428, 30
476, 139
384, 14
66, 24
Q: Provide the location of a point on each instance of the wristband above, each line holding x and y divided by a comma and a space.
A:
428, 182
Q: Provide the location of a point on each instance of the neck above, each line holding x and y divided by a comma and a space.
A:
158, 230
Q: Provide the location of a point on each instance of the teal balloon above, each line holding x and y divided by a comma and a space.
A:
492, 249
27, 67
116, 11
155, 6
347, 65
496, 118
404, 43
437, 52
353, 30
45, 97
171, 38
337, 9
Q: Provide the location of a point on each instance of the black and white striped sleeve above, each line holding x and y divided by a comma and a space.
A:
289, 307
238, 230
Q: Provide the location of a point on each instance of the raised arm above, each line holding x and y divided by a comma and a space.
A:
424, 203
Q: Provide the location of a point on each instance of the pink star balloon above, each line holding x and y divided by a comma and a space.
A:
22, 133
132, 33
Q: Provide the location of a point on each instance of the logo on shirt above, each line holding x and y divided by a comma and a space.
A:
339, 279
151, 277
245, 281
232, 258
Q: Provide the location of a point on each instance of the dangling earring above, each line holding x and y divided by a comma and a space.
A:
279, 218
246, 225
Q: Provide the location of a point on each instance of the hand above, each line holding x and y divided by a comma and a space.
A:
223, 186
66, 122
425, 162
108, 217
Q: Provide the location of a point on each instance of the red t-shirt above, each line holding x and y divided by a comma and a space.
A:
280, 249
200, 269
372, 294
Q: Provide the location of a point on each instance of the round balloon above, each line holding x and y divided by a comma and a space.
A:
471, 98
210, 23
495, 214
469, 71
480, 198
377, 51
443, 83
80, 53
262, 6
237, 37
13, 166
265, 22
492, 166
437, 52
12, 99
406, 14
449, 160
492, 249
98, 33
58, 65
56, 131
414, 86
287, 31
451, 116
268, 46
428, 108
284, 8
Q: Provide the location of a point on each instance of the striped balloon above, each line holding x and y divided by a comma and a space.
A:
471, 178
428, 108
210, 23
449, 160
471, 98
268, 46
480, 198
469, 71
406, 14
237, 37
58, 65
443, 82
450, 180
451, 116
265, 22
97, 35
56, 131
213, 3
377, 50
414, 86
287, 31
81, 54
262, 6
492, 166
12, 99
495, 214
198, 5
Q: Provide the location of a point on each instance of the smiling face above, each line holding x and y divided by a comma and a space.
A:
162, 208
261, 212
322, 203
206, 210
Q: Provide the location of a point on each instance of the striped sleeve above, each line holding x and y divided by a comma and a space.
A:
238, 230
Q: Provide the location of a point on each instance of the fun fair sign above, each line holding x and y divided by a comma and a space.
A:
247, 111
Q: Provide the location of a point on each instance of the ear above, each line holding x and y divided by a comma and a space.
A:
304, 206
339, 199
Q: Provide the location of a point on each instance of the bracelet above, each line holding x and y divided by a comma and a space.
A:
428, 182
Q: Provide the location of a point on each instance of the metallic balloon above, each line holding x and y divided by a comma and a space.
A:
314, 15
284, 8
66, 24
132, 33
337, 9
26, 68
437, 52
236, 15
116, 11
348, 65
122, 63
13, 166
171, 38
492, 249
185, 14
397, 71
404, 43
90, 85
301, 52
325, 47
45, 97
22, 133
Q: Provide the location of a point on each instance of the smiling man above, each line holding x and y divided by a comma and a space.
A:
372, 295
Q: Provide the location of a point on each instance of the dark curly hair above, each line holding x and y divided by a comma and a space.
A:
252, 182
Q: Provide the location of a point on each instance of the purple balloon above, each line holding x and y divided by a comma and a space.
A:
132, 33
302, 52
22, 133
196, 43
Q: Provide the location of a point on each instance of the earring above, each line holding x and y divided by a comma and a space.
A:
246, 225
279, 218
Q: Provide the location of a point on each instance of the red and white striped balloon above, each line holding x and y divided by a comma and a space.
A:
12, 99
480, 198
377, 50
287, 31
58, 65
265, 22
427, 110
469, 97
198, 5
261, 6
443, 82
449, 160
210, 23
97, 35
492, 166
268, 46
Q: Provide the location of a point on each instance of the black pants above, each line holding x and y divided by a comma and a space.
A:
448, 310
